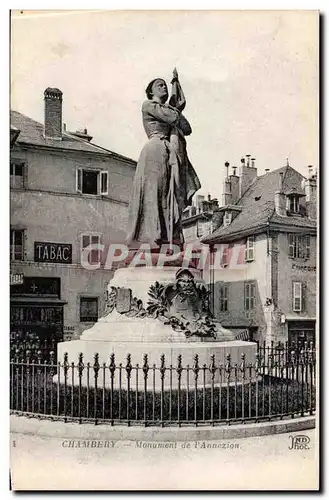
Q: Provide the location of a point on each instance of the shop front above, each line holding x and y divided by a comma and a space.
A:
36, 311
300, 331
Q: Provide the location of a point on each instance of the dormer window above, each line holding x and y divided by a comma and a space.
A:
293, 203
227, 218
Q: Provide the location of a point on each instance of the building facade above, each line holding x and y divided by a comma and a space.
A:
264, 244
66, 193
197, 220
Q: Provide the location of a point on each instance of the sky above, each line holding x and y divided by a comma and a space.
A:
250, 79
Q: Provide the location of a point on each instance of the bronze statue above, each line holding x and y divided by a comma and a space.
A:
165, 181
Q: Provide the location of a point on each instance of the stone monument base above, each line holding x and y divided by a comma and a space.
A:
139, 321
154, 350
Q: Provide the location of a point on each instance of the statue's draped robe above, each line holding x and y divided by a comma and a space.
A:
165, 153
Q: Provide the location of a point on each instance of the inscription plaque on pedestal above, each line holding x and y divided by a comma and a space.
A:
123, 304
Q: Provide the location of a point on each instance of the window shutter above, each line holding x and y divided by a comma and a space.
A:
246, 296
252, 296
291, 245
303, 301
226, 298
307, 246
104, 182
250, 248
79, 180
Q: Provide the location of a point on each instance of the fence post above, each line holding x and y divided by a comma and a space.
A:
196, 369
257, 369
80, 372
243, 373
145, 372
212, 369
228, 369
39, 380
96, 371
128, 372
112, 373
162, 374
65, 368
179, 370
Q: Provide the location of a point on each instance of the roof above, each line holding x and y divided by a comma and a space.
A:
258, 207
31, 133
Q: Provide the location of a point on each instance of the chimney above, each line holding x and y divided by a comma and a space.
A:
53, 113
234, 182
280, 199
217, 219
226, 196
311, 193
281, 182
247, 175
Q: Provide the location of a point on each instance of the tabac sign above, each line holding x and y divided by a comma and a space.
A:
60, 253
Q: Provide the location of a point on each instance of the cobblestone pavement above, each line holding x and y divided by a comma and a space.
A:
265, 462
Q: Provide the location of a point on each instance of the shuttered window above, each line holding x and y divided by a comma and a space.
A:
297, 305
249, 296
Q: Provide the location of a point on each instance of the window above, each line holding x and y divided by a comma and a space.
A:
297, 296
88, 309
299, 246
92, 181
227, 218
293, 203
16, 175
94, 256
226, 255
249, 296
250, 249
223, 298
17, 244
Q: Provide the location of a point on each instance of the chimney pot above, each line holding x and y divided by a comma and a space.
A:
209, 197
242, 160
234, 170
253, 162
267, 170
248, 160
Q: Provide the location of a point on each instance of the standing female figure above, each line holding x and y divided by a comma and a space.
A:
165, 180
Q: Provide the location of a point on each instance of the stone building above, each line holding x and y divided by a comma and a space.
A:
66, 193
270, 223
197, 219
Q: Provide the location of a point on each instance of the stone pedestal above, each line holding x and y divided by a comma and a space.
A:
122, 331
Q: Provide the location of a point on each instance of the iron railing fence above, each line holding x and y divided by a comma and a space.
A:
269, 387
